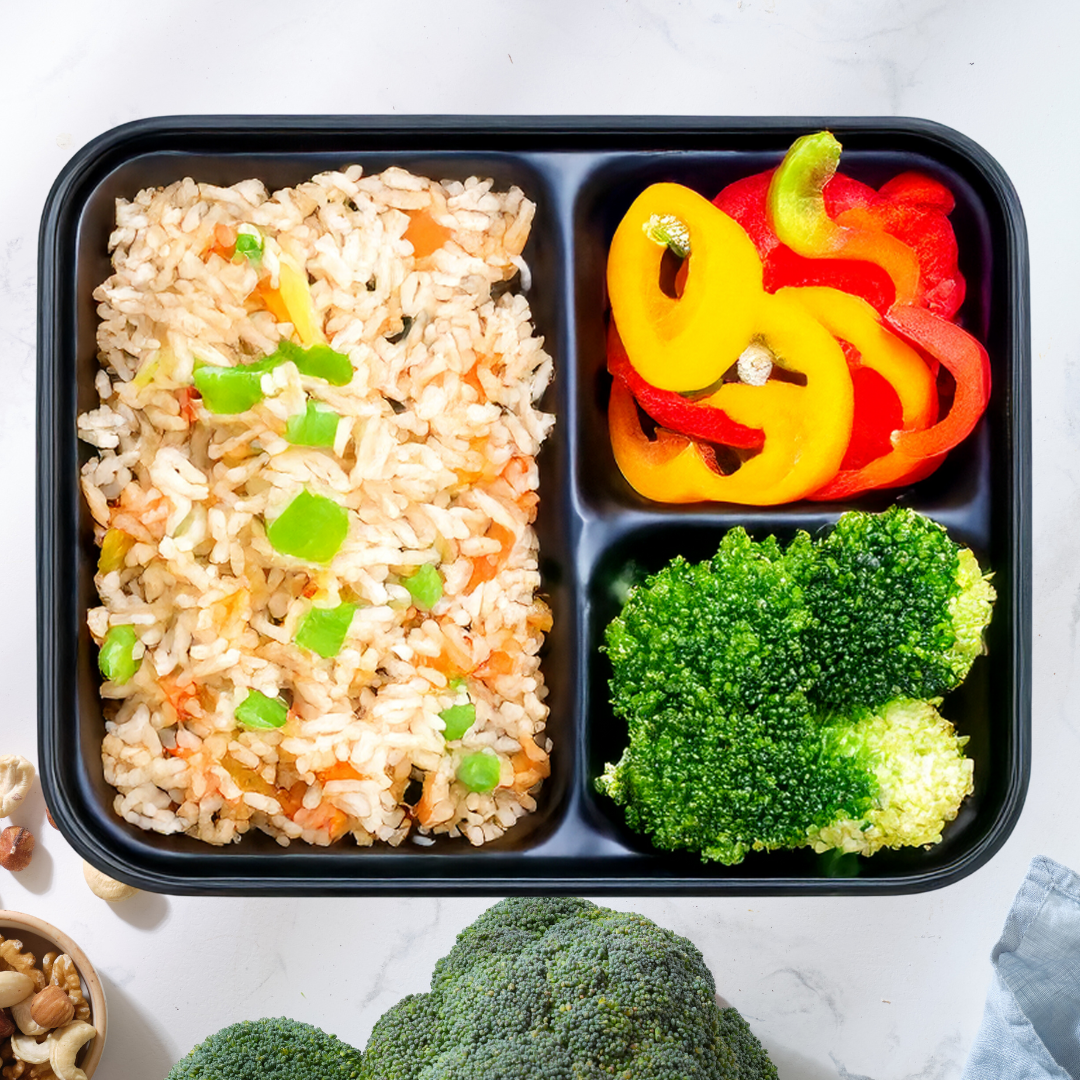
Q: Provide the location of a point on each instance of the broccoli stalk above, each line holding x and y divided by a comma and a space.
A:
560, 989
776, 697
270, 1049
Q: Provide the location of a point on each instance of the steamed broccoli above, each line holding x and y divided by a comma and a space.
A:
921, 774
757, 687
560, 989
269, 1049
899, 609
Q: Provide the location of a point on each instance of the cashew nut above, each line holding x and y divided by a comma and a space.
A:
14, 986
20, 1013
104, 886
28, 1049
64, 1044
16, 776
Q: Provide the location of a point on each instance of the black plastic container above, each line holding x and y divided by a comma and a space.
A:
582, 173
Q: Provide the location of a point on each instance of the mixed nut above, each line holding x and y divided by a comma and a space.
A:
44, 1015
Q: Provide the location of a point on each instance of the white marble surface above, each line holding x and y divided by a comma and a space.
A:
888, 988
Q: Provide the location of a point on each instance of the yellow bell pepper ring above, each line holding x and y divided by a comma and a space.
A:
854, 320
807, 427
682, 343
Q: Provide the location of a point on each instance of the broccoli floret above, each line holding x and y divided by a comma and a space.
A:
922, 776
899, 610
270, 1049
560, 989
744, 680
749, 1053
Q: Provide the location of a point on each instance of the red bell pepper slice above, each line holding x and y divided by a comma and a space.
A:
878, 414
968, 363
912, 207
671, 410
892, 470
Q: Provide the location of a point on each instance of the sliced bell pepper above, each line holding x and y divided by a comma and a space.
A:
807, 428
912, 207
797, 209
853, 319
968, 363
880, 351
676, 412
878, 414
683, 343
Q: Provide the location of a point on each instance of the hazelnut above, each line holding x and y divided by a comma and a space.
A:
7, 1025
16, 848
48, 814
52, 1008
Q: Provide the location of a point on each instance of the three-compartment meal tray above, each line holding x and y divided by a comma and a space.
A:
582, 173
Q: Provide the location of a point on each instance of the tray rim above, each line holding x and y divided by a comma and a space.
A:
50, 331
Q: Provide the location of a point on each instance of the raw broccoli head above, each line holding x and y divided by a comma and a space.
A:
899, 610
559, 989
270, 1049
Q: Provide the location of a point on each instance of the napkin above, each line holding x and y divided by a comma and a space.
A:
1031, 1027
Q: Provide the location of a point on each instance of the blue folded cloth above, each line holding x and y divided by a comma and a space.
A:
1031, 1027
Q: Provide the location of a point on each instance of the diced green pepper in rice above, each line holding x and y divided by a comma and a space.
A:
480, 772
318, 362
425, 586
457, 720
316, 426
311, 527
116, 658
323, 630
259, 711
227, 391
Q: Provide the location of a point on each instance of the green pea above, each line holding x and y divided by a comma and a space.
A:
116, 660
479, 772
249, 243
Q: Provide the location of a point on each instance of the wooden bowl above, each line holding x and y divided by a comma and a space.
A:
41, 937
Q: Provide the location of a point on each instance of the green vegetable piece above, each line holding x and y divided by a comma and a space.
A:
458, 719
796, 201
479, 772
778, 697
460, 683
549, 988
426, 586
311, 527
116, 659
323, 630
315, 426
230, 390
262, 712
319, 362
249, 243
270, 1049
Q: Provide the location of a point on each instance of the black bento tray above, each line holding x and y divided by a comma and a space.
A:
582, 173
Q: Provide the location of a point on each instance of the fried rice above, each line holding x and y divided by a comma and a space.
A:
433, 458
